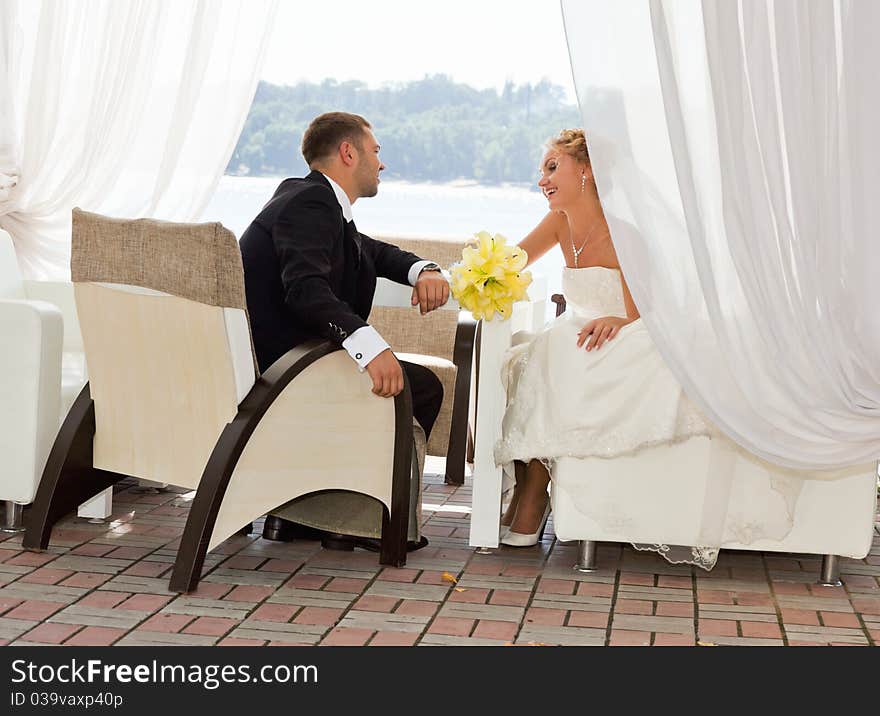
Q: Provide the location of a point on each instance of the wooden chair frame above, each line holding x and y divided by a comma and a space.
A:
70, 478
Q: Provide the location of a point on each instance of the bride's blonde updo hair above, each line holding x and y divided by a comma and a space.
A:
572, 142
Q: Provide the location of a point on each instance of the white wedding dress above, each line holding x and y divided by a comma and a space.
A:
565, 401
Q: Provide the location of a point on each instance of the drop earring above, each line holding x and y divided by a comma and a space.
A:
583, 182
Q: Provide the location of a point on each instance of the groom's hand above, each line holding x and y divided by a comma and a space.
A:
386, 373
431, 291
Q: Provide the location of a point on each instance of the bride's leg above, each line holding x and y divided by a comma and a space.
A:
532, 493
519, 469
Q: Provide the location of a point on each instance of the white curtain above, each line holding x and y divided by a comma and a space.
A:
736, 146
124, 107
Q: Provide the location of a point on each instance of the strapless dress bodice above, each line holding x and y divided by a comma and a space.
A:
593, 291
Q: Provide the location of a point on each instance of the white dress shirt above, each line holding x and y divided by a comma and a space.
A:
365, 343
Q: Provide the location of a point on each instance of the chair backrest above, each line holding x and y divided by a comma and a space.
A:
10, 275
405, 329
164, 324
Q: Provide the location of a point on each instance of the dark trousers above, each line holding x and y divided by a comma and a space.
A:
427, 394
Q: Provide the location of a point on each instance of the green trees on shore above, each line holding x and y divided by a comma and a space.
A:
430, 130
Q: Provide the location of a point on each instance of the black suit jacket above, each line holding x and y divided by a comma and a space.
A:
308, 273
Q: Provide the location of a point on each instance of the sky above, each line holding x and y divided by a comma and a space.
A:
483, 43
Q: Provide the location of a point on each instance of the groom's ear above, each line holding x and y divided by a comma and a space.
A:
347, 153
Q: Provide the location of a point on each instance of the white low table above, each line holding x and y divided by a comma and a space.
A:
495, 339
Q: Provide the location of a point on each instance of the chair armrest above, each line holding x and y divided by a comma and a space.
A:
395, 295
559, 300
270, 420
463, 355
30, 379
26, 326
61, 295
465, 337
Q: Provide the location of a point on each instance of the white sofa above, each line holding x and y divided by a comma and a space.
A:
656, 497
42, 369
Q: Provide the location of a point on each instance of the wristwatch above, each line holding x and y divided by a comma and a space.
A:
430, 267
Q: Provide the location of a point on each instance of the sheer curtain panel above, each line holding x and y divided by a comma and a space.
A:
124, 108
736, 149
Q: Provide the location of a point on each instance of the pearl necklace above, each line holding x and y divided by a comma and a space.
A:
578, 252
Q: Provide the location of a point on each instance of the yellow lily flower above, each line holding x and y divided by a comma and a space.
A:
490, 277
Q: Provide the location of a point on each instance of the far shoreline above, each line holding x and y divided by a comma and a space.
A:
402, 182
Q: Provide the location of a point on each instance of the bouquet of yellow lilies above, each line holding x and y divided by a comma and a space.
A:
489, 278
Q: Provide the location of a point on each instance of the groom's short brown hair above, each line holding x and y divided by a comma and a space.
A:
327, 131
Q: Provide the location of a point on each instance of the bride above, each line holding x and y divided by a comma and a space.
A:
591, 384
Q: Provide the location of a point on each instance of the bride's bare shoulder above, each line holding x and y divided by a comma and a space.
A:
554, 222
547, 234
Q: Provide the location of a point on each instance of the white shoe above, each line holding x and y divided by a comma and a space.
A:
516, 539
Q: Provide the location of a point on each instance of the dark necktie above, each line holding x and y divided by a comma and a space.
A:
352, 232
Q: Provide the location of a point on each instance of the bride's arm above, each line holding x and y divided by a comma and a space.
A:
601, 330
543, 237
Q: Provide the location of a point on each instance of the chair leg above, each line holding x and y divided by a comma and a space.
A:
206, 505
463, 357
830, 573
586, 556
395, 524
469, 456
12, 517
69, 478
457, 451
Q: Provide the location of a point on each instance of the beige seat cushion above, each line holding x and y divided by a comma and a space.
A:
446, 371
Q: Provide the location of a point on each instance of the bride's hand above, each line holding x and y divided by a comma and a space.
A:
600, 330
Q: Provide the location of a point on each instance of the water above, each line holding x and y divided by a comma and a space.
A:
409, 209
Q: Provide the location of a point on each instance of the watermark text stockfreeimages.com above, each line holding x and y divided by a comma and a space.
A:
210, 676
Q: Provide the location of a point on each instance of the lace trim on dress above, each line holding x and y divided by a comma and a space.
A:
586, 443
704, 557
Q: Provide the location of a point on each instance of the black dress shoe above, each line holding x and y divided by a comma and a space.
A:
278, 529
346, 543
412, 546
341, 543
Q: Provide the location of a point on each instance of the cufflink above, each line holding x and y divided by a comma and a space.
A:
358, 356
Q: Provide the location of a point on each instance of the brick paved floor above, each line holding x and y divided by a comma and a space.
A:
107, 584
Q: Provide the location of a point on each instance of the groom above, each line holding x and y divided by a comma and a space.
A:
310, 274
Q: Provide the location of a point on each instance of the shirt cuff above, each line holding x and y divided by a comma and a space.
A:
415, 270
364, 344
